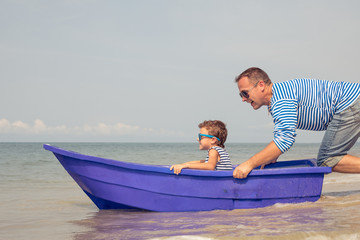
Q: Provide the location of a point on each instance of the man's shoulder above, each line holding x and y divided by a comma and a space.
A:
286, 90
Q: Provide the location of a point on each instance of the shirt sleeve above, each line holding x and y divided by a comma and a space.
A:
285, 119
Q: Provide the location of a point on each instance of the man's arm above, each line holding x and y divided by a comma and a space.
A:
269, 153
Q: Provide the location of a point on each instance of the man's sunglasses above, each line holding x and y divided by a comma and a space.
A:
209, 136
245, 93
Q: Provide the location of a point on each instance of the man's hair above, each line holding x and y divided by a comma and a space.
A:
216, 128
254, 74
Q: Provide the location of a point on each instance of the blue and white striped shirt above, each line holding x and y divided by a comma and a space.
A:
224, 163
307, 104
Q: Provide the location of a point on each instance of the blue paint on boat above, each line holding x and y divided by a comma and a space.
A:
112, 184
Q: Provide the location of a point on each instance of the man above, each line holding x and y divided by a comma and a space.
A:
307, 104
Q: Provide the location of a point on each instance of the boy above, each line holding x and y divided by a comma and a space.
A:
212, 137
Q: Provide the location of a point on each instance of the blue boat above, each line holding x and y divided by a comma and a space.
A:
112, 184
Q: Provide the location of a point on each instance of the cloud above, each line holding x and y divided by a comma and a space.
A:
105, 129
39, 127
20, 127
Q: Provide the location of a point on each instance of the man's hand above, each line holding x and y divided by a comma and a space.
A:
268, 155
243, 170
269, 162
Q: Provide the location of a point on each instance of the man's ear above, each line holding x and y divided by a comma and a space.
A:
261, 84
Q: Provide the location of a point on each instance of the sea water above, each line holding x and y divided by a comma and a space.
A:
39, 200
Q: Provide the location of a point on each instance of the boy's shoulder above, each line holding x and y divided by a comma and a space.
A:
217, 149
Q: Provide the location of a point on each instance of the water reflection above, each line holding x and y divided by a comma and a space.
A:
323, 218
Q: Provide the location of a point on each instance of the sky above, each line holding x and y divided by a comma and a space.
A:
152, 70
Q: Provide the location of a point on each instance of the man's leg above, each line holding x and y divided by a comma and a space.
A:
348, 164
341, 135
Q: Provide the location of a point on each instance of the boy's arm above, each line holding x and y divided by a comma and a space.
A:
202, 165
196, 161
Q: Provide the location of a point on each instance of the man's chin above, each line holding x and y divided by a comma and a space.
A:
255, 107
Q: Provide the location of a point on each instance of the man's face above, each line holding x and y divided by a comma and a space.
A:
250, 92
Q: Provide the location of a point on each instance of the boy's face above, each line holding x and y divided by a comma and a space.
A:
205, 143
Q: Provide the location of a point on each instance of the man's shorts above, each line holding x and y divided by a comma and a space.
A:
342, 133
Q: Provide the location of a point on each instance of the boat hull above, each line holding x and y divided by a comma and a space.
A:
113, 184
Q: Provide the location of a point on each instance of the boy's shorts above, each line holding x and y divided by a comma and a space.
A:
342, 133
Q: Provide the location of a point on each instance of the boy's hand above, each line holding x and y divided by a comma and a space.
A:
177, 168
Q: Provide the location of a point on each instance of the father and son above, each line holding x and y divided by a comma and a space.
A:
307, 104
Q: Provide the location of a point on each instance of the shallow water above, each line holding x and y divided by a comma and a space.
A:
284, 221
39, 200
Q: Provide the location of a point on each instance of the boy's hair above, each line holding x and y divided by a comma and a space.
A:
254, 74
216, 128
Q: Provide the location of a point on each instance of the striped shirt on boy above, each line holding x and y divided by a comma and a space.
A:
224, 163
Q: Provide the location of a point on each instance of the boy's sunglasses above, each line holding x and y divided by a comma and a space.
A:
245, 94
209, 136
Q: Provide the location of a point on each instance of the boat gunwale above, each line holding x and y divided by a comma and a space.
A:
291, 169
